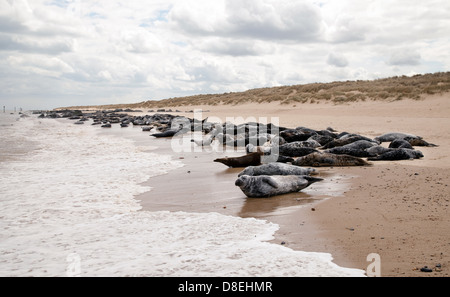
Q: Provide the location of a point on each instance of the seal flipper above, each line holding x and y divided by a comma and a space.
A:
270, 181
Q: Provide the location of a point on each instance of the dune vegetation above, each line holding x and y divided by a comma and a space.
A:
339, 92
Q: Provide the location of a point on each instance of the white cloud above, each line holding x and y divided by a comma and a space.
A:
87, 52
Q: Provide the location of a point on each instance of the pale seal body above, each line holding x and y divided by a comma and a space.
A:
328, 159
267, 186
388, 137
277, 169
345, 140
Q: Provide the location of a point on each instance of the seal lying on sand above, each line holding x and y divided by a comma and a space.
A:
388, 137
327, 159
252, 159
400, 143
418, 142
377, 150
277, 169
356, 149
345, 140
168, 133
267, 186
398, 154
295, 151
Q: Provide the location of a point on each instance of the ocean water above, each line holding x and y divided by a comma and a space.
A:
67, 208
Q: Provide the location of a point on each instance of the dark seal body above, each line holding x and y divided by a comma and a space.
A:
327, 159
252, 159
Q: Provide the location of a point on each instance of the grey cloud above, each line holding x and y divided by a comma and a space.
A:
264, 20
28, 45
404, 57
9, 25
337, 60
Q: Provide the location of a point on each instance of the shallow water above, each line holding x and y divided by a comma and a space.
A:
67, 207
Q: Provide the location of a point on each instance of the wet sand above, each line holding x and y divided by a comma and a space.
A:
397, 209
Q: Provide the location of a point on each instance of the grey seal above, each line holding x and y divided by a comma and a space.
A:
328, 159
252, 159
419, 142
295, 151
267, 186
276, 168
388, 137
377, 150
344, 140
400, 143
398, 154
356, 149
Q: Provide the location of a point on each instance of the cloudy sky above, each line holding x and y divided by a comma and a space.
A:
87, 52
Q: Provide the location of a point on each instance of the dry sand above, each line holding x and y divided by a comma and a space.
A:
397, 209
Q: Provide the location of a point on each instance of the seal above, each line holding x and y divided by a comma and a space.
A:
266, 186
388, 137
356, 149
400, 143
168, 133
342, 150
311, 143
252, 159
328, 159
398, 154
291, 135
276, 168
295, 151
377, 150
419, 142
344, 140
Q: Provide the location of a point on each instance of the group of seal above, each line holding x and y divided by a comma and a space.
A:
290, 149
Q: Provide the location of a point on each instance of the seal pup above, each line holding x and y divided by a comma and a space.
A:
277, 168
252, 159
398, 154
327, 159
266, 186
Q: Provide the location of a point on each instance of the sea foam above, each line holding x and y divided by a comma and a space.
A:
74, 195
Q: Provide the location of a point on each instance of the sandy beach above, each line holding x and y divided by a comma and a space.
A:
397, 209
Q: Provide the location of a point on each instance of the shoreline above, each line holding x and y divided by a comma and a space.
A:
396, 209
